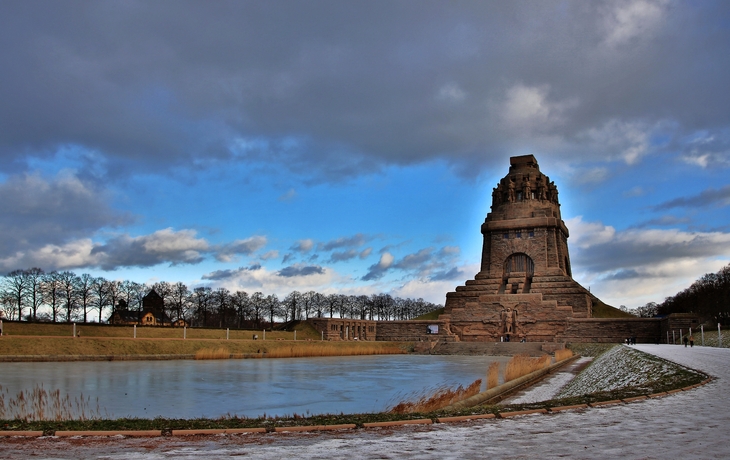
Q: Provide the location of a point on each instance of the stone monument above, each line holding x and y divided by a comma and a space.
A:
524, 290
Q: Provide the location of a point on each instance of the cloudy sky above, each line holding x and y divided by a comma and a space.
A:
351, 146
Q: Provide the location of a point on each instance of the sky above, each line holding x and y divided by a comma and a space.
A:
352, 147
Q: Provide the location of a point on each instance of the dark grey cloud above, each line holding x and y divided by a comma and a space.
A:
222, 275
246, 246
342, 256
163, 246
344, 242
451, 274
425, 263
36, 211
648, 249
334, 89
707, 198
300, 270
303, 246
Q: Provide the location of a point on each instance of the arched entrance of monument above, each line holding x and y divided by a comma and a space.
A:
517, 274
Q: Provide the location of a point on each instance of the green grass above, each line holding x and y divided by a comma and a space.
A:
602, 310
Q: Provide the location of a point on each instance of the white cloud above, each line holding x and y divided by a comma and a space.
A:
586, 234
386, 260
324, 280
626, 140
636, 266
303, 246
451, 92
527, 108
270, 255
630, 20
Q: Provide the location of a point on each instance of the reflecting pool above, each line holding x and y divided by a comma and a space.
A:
248, 387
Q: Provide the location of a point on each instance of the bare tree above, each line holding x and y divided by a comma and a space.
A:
51, 293
308, 301
34, 278
100, 295
132, 292
179, 297
69, 292
8, 306
114, 293
201, 304
241, 303
15, 286
293, 304
319, 303
273, 306
221, 299
258, 303
85, 292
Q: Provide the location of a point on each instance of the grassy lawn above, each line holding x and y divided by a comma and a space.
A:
304, 331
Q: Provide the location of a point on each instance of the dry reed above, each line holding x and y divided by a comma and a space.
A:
213, 353
521, 365
563, 354
38, 404
440, 398
493, 375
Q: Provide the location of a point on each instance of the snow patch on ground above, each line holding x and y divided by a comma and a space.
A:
548, 388
620, 367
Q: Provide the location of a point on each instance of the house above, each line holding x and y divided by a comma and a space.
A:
151, 314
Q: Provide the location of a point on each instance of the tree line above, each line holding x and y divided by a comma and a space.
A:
708, 297
33, 295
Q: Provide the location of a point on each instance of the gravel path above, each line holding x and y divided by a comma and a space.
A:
690, 424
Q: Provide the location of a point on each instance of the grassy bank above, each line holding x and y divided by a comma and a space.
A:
12, 329
106, 346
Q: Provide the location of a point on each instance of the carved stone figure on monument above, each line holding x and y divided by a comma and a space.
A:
526, 189
496, 196
510, 191
541, 190
507, 319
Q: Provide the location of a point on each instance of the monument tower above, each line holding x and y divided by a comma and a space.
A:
524, 290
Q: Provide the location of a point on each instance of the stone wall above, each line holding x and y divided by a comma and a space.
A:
411, 331
679, 324
611, 330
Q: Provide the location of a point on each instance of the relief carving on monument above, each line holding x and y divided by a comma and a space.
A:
526, 188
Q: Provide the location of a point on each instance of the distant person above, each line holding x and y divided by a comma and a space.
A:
691, 341
686, 341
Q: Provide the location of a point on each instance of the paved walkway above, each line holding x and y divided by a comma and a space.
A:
692, 424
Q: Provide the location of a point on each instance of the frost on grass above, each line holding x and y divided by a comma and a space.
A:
618, 368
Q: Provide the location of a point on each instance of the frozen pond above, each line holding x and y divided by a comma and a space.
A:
249, 387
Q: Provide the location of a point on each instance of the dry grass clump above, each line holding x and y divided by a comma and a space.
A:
493, 375
563, 354
213, 353
331, 349
39, 405
521, 365
440, 398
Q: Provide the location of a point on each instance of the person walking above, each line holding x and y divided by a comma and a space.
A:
691, 341
685, 341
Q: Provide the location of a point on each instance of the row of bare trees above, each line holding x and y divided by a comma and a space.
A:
708, 297
33, 295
